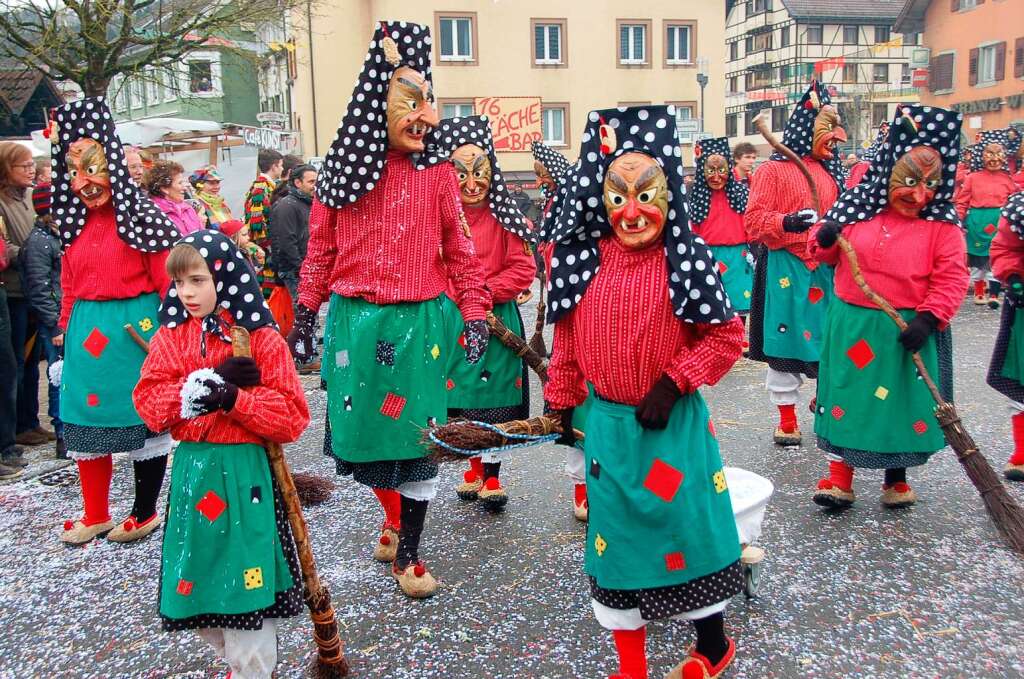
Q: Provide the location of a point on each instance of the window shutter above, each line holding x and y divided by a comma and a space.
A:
972, 68
555, 42
624, 43
1000, 61
1018, 58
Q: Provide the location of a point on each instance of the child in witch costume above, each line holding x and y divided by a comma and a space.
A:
983, 194
641, 314
717, 203
115, 242
386, 240
1006, 370
229, 568
792, 289
495, 388
873, 410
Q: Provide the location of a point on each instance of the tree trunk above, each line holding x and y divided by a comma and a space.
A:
94, 85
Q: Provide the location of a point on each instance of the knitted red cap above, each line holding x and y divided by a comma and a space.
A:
41, 198
230, 227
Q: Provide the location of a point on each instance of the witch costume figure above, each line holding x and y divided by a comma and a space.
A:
115, 242
1006, 370
791, 289
496, 388
860, 168
982, 196
640, 314
873, 410
386, 241
717, 203
229, 568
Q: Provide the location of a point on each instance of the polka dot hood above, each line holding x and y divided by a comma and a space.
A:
355, 161
872, 151
913, 126
1013, 213
455, 132
580, 220
799, 132
1001, 137
140, 223
700, 193
238, 291
554, 162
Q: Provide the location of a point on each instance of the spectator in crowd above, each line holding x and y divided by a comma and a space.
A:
521, 200
8, 378
207, 182
17, 173
238, 232
136, 166
745, 155
43, 170
40, 273
289, 227
288, 164
166, 183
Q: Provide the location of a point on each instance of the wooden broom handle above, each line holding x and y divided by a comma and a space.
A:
761, 124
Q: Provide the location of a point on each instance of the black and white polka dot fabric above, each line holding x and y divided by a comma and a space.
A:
140, 223
579, 218
975, 163
700, 193
872, 151
554, 162
913, 126
455, 132
799, 132
1013, 213
238, 291
987, 137
355, 161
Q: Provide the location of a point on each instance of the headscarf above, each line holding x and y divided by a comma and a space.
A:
975, 162
799, 132
912, 126
554, 162
872, 151
991, 137
1013, 213
700, 193
580, 219
455, 132
140, 223
238, 291
355, 161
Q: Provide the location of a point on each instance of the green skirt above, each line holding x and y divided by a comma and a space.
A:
221, 553
660, 512
102, 363
737, 274
981, 224
384, 366
796, 304
496, 380
869, 395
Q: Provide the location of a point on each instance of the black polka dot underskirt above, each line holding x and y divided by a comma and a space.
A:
388, 474
286, 604
660, 603
756, 325
84, 439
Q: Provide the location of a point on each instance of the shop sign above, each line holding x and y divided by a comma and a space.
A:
515, 121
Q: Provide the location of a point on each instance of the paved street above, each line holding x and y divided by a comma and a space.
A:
926, 592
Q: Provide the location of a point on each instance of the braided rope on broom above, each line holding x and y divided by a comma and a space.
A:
518, 346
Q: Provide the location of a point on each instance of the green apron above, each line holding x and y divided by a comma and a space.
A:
496, 380
660, 512
869, 395
1013, 363
384, 365
221, 550
101, 361
737, 274
796, 303
981, 224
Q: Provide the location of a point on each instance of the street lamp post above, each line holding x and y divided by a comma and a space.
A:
702, 80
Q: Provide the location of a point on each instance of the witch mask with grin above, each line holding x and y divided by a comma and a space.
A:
636, 198
993, 156
473, 169
827, 133
411, 112
90, 177
915, 178
716, 171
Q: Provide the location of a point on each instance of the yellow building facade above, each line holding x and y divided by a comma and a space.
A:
575, 55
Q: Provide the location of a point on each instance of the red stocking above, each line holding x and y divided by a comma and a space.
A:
580, 494
476, 468
1018, 439
391, 501
632, 652
95, 475
787, 418
841, 474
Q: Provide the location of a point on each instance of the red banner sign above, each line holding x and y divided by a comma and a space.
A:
920, 77
515, 121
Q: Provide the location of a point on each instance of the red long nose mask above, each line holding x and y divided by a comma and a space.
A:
90, 178
636, 198
915, 179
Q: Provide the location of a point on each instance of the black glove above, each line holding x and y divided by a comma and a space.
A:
567, 437
302, 338
1015, 290
221, 396
654, 410
918, 330
800, 221
477, 335
828, 234
239, 371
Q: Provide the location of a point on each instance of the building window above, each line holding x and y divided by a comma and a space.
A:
458, 37
156, 86
734, 51
814, 34
959, 5
115, 93
940, 74
850, 35
679, 43
763, 78
849, 73
633, 42
1018, 58
135, 93
200, 77
987, 64
780, 114
456, 109
879, 114
684, 111
880, 73
882, 34
734, 85
905, 74
731, 124
549, 42
748, 127
552, 119
784, 37
758, 6
911, 38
